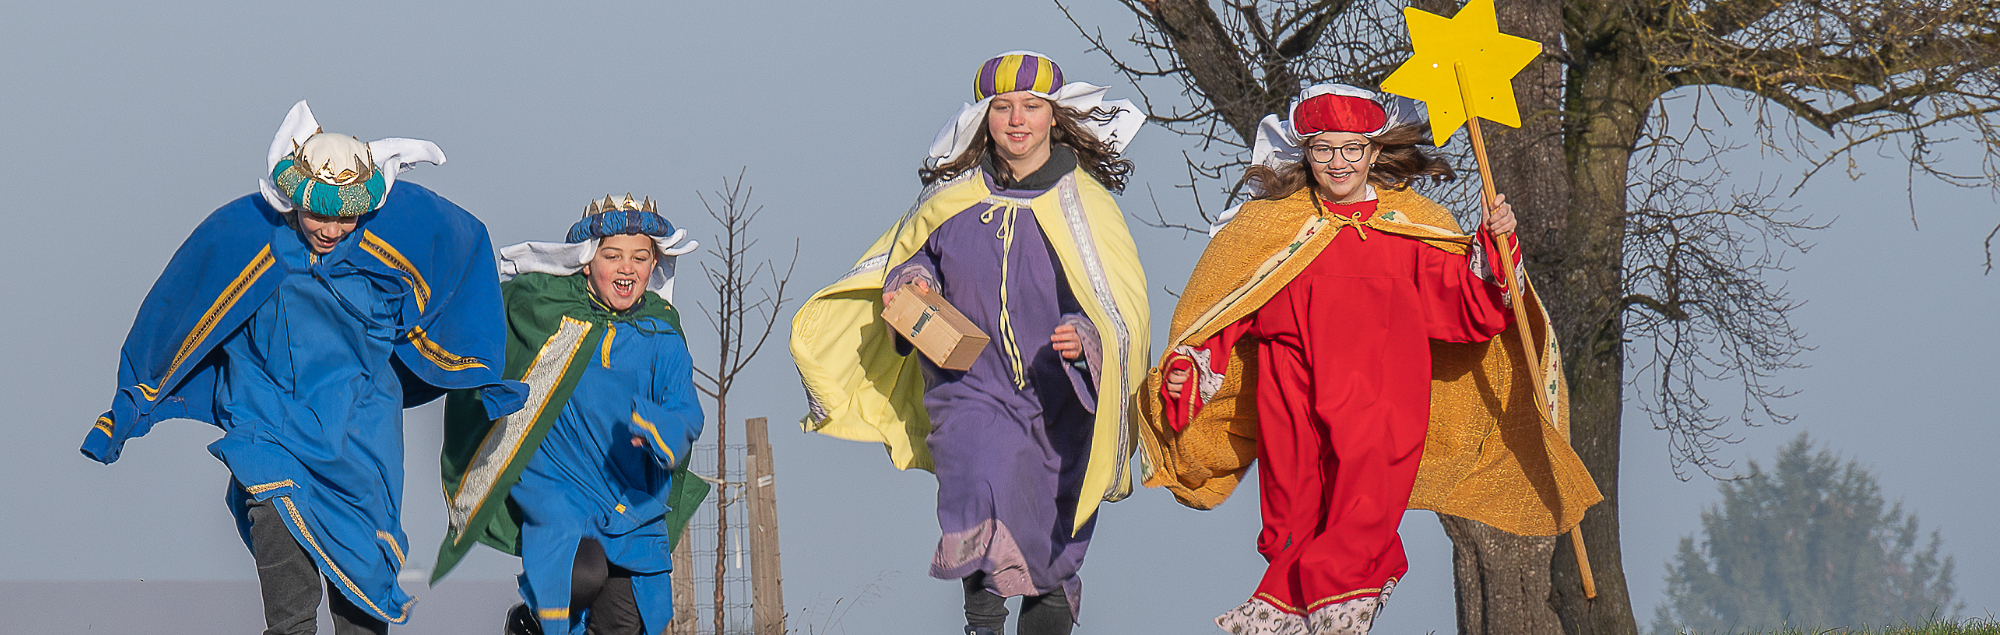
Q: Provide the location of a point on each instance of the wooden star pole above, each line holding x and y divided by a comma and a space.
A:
1474, 34
1522, 326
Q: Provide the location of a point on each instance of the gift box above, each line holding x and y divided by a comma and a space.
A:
934, 327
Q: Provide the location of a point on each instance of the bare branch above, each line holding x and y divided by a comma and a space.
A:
1700, 308
1159, 220
1666, 310
1989, 248
773, 301
742, 324
1700, 257
1880, 133
1725, 17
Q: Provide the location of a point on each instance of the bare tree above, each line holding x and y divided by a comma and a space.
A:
749, 295
1639, 241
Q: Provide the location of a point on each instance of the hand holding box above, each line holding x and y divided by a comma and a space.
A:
934, 327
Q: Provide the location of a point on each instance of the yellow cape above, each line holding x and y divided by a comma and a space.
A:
859, 388
1490, 455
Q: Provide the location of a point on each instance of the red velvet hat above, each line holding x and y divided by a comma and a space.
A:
1334, 112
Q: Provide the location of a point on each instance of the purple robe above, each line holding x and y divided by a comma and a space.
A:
1009, 442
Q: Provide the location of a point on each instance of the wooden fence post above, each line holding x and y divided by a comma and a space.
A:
683, 622
767, 593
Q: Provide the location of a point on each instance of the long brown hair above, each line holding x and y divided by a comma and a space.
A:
1398, 165
1094, 156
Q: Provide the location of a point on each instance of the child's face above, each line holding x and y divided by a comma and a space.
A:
1340, 163
618, 273
1019, 125
322, 232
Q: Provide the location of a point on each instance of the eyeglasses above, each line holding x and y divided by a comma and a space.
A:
1351, 152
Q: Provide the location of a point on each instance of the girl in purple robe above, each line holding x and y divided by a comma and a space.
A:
1011, 437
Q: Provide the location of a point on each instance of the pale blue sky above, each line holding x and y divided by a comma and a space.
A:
124, 124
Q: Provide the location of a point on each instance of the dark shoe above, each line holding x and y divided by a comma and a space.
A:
521, 621
979, 630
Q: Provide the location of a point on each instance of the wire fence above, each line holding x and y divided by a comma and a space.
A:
700, 538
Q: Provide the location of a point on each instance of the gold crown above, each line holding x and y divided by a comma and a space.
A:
612, 205
351, 161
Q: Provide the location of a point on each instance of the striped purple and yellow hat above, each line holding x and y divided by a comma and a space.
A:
1017, 70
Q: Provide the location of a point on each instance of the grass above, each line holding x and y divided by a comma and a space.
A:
1972, 626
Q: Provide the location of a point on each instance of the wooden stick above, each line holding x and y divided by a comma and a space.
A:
1583, 562
1521, 324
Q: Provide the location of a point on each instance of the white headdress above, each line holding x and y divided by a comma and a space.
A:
1036, 74
608, 217
392, 156
1279, 144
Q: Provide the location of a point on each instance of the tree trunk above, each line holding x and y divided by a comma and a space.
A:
1225, 78
721, 510
1609, 90
1503, 579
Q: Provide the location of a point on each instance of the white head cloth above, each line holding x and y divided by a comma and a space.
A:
1278, 145
393, 156
563, 259
956, 136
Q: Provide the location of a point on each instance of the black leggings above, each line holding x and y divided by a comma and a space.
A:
606, 589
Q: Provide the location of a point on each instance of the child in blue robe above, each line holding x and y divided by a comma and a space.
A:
581, 483
302, 321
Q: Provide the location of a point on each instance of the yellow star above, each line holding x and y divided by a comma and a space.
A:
1490, 59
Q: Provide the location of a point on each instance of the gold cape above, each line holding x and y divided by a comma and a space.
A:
859, 389
1490, 455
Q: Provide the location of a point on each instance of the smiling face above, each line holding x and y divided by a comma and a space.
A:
619, 271
322, 232
1019, 124
1340, 163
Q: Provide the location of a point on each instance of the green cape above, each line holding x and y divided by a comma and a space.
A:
553, 329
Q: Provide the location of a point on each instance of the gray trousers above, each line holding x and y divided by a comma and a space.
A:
1040, 614
291, 582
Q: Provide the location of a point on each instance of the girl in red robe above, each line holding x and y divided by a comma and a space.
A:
1343, 372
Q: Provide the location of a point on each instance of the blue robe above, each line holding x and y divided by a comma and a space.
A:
307, 362
586, 480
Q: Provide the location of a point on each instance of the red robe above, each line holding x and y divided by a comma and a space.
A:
1343, 403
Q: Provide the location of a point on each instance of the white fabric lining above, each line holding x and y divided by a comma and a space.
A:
508, 432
